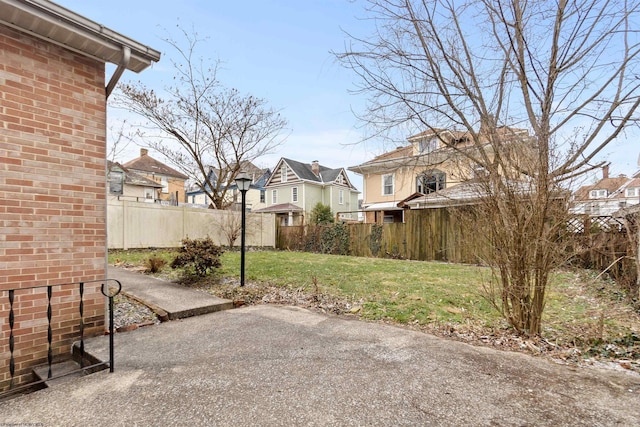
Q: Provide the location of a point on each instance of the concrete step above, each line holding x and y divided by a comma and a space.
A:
61, 372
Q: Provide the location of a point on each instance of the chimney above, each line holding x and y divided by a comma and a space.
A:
605, 171
315, 167
143, 152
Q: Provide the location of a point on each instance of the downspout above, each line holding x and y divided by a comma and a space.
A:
126, 57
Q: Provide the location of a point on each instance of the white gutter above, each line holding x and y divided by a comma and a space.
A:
60, 26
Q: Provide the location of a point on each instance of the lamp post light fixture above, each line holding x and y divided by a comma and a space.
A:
243, 182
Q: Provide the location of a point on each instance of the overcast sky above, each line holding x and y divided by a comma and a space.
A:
278, 50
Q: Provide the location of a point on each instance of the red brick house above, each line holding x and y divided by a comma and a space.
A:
53, 186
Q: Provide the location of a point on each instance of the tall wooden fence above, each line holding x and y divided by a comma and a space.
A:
601, 243
426, 235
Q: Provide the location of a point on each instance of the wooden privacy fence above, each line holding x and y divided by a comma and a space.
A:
426, 235
435, 235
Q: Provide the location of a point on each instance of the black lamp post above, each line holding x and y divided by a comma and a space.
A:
243, 181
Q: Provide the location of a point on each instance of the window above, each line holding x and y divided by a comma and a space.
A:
165, 184
427, 146
387, 185
148, 195
274, 197
283, 174
341, 197
116, 179
294, 194
340, 179
263, 196
430, 181
632, 192
597, 194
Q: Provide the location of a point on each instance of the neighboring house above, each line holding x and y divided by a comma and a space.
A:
172, 182
127, 185
294, 188
395, 180
255, 197
53, 110
608, 195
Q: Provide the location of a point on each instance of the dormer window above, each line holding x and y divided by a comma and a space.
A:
428, 145
632, 192
598, 194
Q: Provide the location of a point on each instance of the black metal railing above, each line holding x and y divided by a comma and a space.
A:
108, 287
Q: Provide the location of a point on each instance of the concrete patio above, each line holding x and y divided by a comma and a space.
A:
274, 365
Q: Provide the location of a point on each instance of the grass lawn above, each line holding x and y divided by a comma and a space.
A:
581, 312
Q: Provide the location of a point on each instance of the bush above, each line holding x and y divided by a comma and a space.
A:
155, 264
321, 214
201, 255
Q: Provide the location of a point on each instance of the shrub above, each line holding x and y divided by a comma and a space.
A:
202, 255
155, 264
321, 214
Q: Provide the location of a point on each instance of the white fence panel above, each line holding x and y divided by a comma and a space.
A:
143, 225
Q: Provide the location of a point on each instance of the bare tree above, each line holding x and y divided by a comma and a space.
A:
565, 72
229, 224
200, 126
118, 143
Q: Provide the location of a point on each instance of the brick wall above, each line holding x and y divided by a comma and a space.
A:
52, 193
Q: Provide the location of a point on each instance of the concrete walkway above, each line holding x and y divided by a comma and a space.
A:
169, 300
286, 366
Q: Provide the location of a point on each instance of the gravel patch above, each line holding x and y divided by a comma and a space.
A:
128, 312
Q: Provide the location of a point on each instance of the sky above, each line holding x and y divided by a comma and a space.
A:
279, 50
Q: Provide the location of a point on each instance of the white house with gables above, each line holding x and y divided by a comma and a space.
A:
294, 188
608, 195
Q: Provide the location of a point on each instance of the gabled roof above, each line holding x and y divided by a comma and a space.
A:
304, 171
609, 184
146, 163
132, 178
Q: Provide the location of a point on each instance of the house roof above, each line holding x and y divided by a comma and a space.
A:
246, 166
63, 27
383, 206
399, 152
282, 207
463, 193
403, 156
304, 171
456, 134
132, 178
609, 184
146, 163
